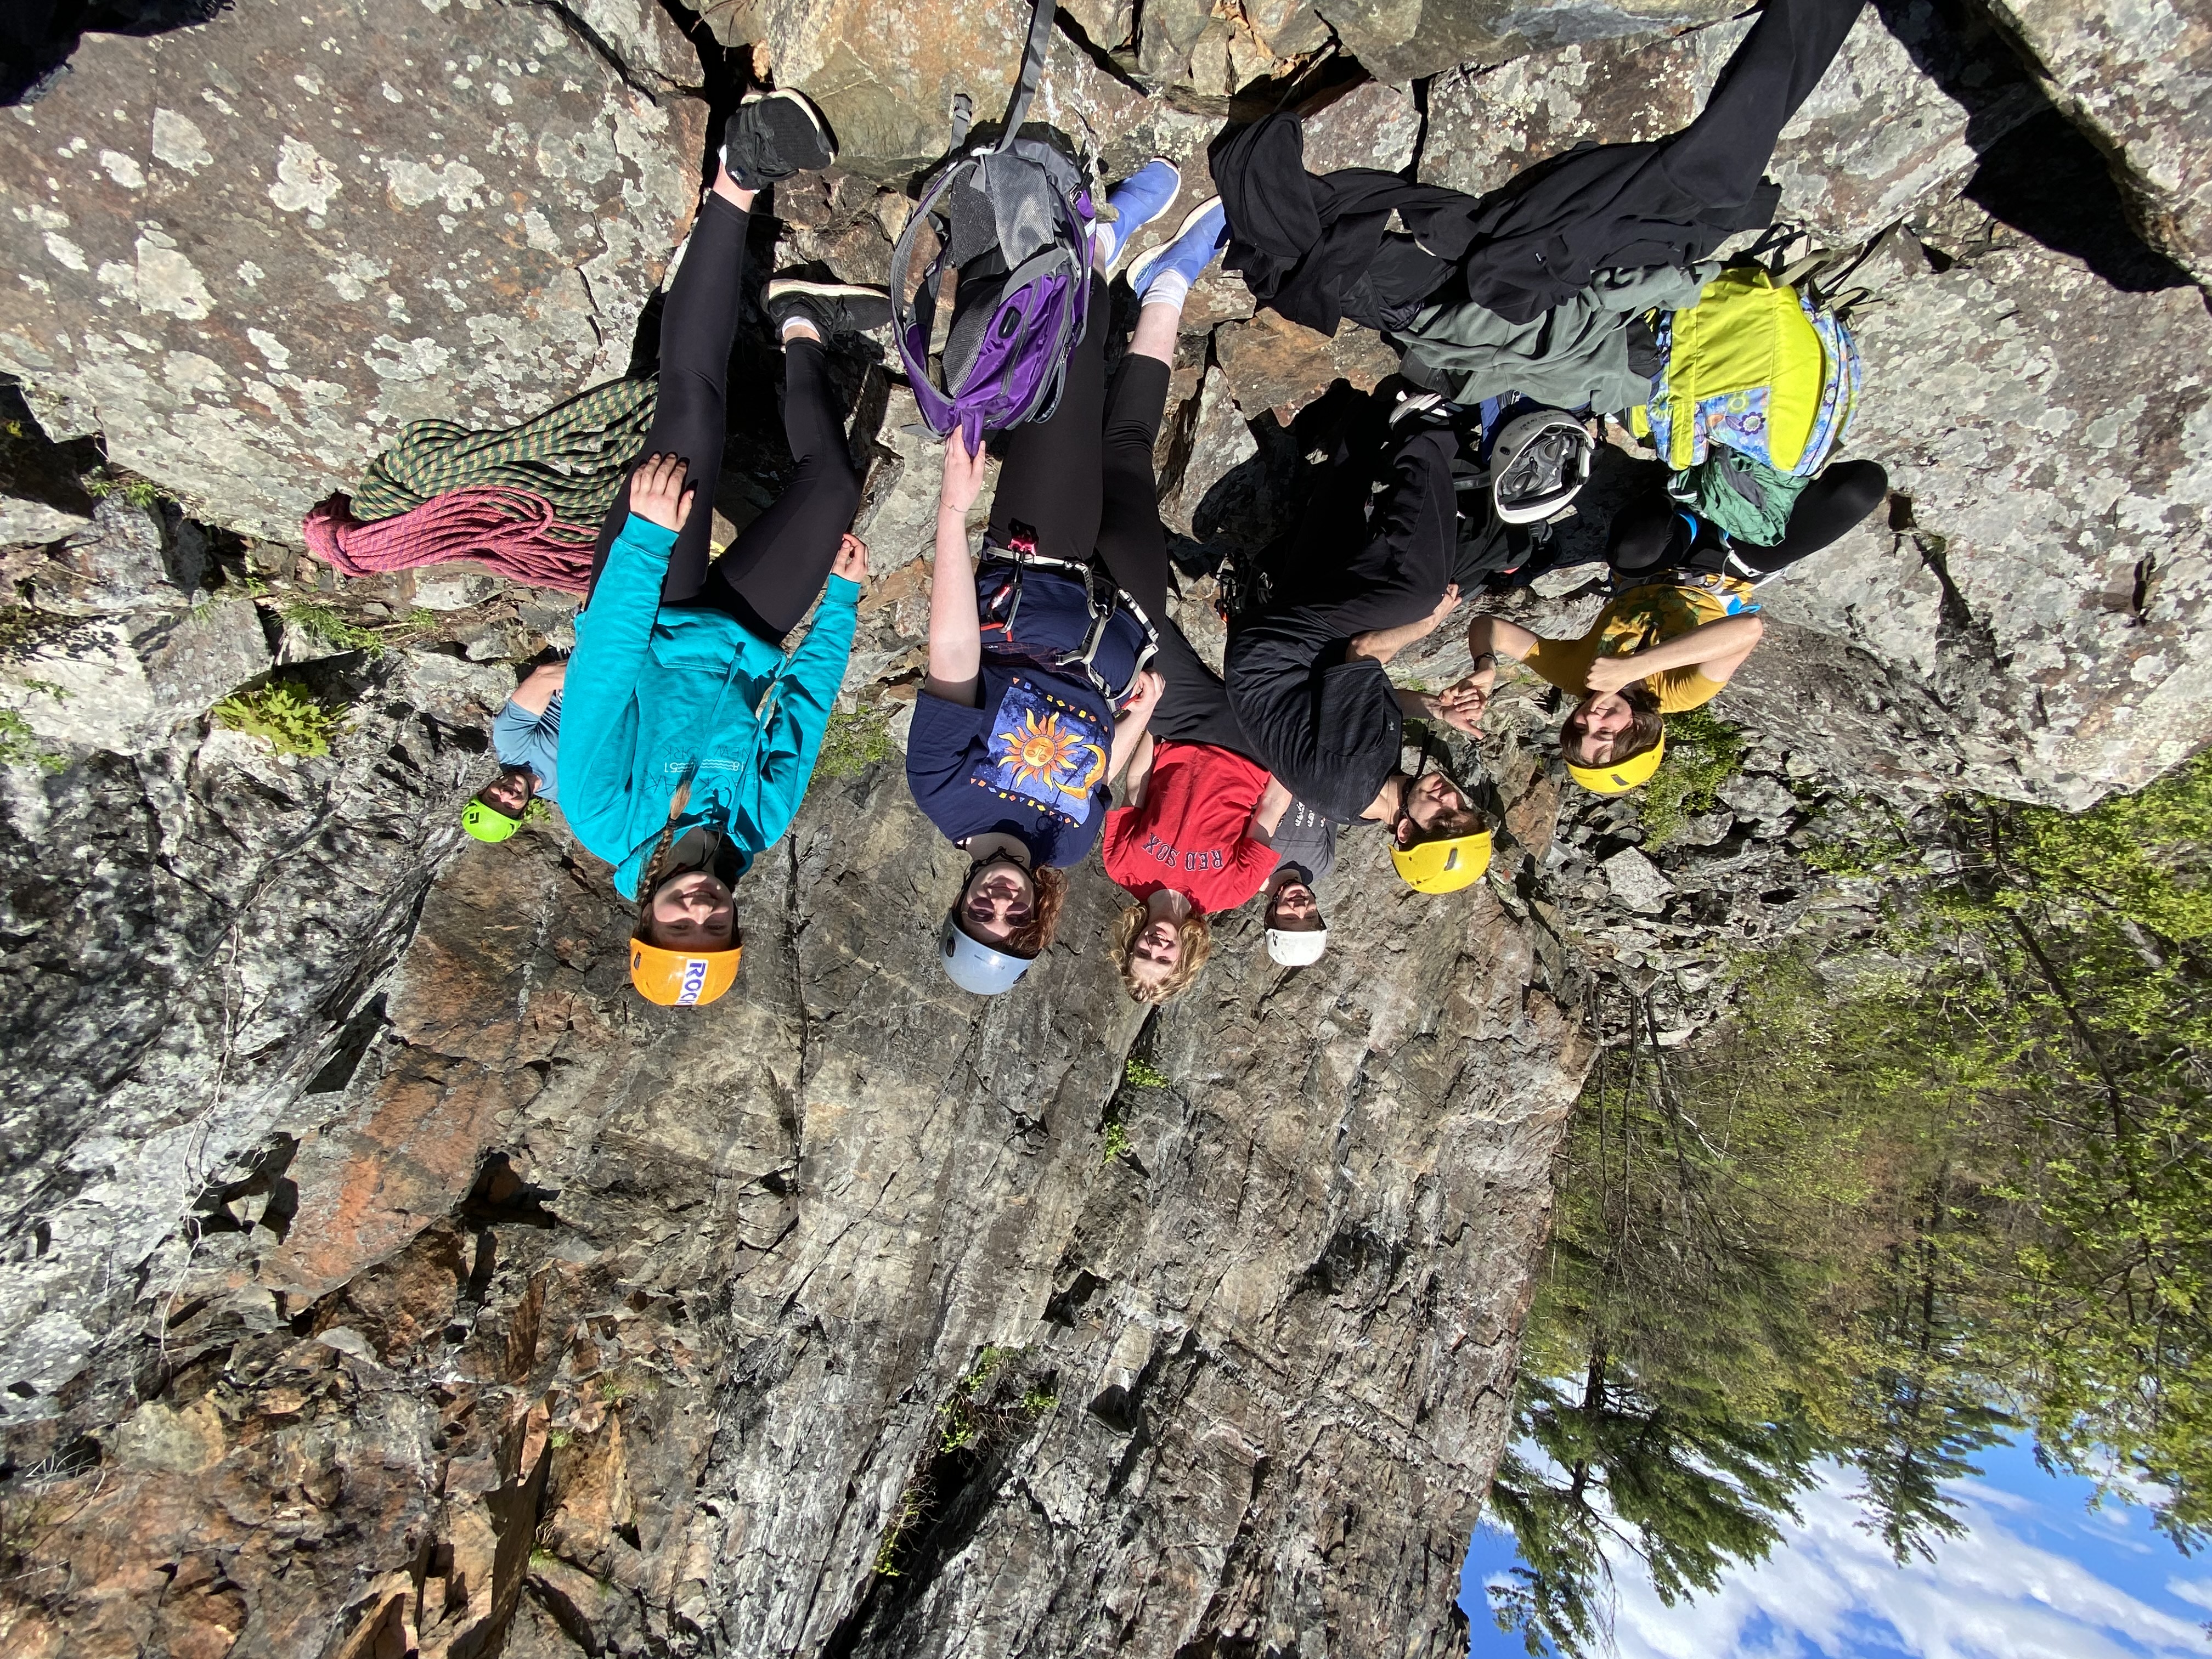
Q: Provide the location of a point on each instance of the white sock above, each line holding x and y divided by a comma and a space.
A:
783, 336
1102, 240
1169, 288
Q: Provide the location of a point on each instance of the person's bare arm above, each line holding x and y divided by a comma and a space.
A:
1716, 649
1140, 771
1495, 637
1267, 815
1129, 724
1383, 643
539, 687
956, 633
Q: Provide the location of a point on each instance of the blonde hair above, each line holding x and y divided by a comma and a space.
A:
1197, 937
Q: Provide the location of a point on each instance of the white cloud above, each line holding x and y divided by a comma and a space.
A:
1829, 1588
2197, 1592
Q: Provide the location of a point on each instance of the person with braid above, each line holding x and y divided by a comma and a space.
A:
687, 735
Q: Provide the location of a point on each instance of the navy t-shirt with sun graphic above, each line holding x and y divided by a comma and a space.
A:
1031, 761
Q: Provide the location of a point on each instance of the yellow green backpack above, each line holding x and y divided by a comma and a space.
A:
1757, 366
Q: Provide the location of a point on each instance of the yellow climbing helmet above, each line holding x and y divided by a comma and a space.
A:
1619, 779
1444, 866
487, 823
683, 979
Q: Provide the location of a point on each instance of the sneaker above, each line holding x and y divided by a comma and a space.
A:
1196, 244
834, 309
772, 135
1137, 200
1416, 409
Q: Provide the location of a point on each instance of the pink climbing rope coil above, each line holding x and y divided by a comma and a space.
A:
511, 532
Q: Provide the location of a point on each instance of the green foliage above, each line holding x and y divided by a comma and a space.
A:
1703, 752
962, 1428
1039, 1402
856, 740
1115, 1142
58, 693
137, 491
288, 717
1143, 1074
988, 1364
333, 628
20, 745
1891, 1224
902, 1519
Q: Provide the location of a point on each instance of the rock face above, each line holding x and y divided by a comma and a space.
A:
250, 251
2138, 75
860, 1317
379, 1276
1401, 42
2065, 638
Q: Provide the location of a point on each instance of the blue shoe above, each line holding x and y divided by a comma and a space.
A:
1137, 200
1195, 246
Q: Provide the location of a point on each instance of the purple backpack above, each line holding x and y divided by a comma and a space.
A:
1013, 221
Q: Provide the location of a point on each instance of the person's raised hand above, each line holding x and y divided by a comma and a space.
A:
1611, 673
1151, 687
657, 492
963, 474
852, 561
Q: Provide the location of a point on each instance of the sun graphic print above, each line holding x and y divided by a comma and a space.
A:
1045, 750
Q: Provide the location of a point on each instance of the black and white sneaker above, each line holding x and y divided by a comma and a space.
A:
834, 309
1422, 409
772, 135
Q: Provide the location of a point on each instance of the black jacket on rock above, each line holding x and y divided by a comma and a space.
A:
1316, 248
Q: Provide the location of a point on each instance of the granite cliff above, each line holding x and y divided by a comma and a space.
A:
377, 1276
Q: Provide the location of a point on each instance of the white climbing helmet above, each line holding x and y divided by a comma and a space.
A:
1291, 949
975, 966
1539, 463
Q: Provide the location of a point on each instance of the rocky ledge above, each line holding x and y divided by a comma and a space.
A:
377, 1276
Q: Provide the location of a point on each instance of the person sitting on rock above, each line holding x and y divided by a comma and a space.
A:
1038, 690
1682, 622
526, 736
1306, 669
688, 735
1198, 834
1305, 851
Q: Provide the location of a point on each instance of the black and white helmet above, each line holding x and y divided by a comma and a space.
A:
1539, 463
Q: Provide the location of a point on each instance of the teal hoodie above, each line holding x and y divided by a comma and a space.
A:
653, 694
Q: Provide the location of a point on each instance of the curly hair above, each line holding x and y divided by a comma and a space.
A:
1030, 941
1646, 726
1197, 936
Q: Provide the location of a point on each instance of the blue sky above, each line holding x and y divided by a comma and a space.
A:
2039, 1575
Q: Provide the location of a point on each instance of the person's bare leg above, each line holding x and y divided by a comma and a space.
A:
1156, 331
726, 188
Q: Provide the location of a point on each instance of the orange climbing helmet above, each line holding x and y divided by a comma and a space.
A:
683, 979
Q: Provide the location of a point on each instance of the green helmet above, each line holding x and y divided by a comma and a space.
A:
488, 823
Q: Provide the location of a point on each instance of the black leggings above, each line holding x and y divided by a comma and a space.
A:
1082, 483
770, 576
1653, 533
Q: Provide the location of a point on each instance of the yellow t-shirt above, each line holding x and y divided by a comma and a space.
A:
1643, 616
